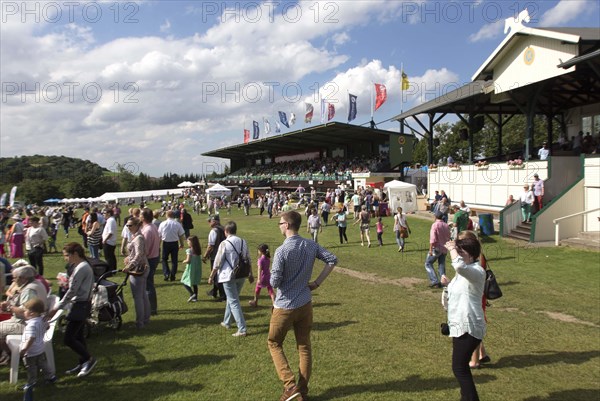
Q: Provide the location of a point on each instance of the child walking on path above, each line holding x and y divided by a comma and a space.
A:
380, 228
32, 344
264, 274
193, 268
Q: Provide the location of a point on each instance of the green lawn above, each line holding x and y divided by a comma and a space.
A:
376, 332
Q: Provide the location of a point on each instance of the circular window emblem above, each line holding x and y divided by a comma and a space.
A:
529, 55
401, 140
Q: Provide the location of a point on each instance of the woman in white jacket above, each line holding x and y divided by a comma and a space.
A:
466, 320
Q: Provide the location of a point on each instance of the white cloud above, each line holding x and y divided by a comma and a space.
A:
566, 11
166, 27
488, 31
170, 99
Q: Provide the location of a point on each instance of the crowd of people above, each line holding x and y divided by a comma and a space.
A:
286, 276
328, 168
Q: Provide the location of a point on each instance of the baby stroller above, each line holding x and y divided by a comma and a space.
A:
108, 304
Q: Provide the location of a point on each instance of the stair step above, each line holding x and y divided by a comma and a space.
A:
518, 236
520, 231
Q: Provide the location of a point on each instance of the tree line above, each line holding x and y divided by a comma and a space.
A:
43, 177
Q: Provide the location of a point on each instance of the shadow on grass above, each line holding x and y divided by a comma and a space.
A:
332, 325
152, 390
412, 384
582, 394
521, 361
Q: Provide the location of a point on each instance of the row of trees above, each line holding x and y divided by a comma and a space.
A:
42, 177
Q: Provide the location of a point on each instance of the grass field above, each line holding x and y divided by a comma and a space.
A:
375, 337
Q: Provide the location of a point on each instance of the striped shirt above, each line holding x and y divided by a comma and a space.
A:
292, 269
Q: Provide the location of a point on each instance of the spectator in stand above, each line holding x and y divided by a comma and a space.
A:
544, 152
538, 192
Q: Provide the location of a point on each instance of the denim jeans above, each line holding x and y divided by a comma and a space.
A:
301, 320
94, 251
150, 288
399, 239
441, 258
233, 307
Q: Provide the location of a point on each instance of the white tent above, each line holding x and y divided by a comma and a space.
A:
218, 190
401, 194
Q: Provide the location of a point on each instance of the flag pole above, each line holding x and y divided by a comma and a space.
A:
372, 107
401, 96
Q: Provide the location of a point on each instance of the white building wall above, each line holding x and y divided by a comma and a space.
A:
592, 193
512, 70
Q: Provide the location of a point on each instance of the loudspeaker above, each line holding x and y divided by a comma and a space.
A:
477, 124
464, 134
436, 142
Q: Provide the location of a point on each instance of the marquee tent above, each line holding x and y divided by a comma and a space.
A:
218, 190
401, 194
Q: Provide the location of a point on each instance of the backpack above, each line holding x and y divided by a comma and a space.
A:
242, 267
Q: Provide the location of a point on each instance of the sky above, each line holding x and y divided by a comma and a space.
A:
151, 85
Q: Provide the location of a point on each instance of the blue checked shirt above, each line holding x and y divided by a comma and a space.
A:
292, 269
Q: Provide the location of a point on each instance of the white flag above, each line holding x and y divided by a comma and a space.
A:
267, 126
292, 119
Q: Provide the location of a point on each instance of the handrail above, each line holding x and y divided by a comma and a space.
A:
557, 223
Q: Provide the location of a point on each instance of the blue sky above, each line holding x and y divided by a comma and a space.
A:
154, 84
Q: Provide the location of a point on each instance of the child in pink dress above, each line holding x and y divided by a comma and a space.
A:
264, 274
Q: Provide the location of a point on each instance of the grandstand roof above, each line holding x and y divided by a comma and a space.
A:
329, 134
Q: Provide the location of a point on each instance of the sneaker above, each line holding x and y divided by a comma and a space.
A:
253, 303
239, 334
192, 299
52, 380
223, 324
290, 393
27, 386
87, 367
74, 370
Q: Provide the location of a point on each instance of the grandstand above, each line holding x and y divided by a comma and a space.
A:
323, 156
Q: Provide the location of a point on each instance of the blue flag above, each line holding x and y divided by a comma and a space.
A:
283, 119
256, 133
352, 108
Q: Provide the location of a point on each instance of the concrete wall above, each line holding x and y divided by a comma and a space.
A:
592, 193
569, 203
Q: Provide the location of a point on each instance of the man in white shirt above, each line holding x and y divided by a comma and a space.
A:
544, 152
109, 239
170, 232
35, 239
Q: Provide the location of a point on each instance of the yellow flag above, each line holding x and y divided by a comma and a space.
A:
405, 83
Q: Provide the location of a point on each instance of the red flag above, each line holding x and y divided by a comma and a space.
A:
381, 95
246, 136
330, 111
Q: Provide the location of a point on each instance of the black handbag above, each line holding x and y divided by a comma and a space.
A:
492, 289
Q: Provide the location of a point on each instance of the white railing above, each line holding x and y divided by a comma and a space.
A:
557, 223
510, 217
